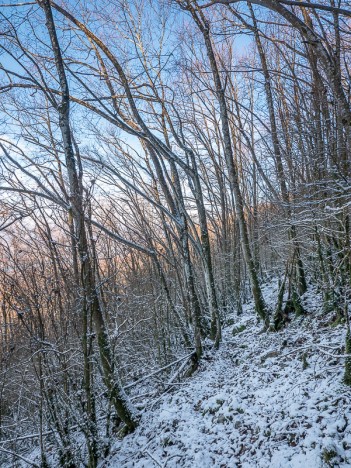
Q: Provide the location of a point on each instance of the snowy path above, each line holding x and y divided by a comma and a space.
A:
251, 404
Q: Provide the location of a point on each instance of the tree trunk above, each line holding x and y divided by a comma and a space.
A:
116, 394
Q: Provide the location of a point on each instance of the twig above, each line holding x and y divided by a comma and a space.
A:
19, 456
153, 458
157, 371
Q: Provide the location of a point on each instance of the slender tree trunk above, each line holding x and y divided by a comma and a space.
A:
178, 209
260, 305
116, 394
277, 153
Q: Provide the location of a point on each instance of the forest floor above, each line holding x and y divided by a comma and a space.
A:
261, 400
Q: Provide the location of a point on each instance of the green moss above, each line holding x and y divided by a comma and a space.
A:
279, 317
239, 329
328, 455
305, 363
335, 323
167, 442
289, 307
298, 307
328, 303
347, 374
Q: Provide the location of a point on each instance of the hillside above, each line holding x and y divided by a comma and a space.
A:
262, 400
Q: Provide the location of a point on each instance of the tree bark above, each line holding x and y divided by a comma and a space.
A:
116, 394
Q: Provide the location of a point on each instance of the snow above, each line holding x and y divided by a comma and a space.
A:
251, 403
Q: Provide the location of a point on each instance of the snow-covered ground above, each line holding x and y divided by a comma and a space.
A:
261, 400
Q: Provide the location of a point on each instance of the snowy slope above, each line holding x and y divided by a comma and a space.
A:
252, 403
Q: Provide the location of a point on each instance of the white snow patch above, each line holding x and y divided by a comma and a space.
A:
251, 404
